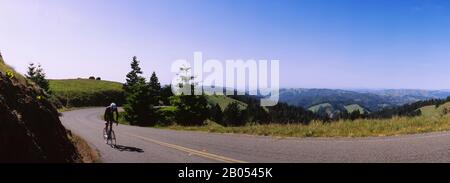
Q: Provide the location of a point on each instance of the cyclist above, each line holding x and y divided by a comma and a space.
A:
109, 117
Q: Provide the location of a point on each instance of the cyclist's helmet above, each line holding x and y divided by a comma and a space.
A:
113, 106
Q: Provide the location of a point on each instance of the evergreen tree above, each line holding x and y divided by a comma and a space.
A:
31, 73
37, 75
134, 76
345, 114
355, 114
233, 115
284, 113
155, 89
191, 109
216, 114
166, 93
138, 107
256, 113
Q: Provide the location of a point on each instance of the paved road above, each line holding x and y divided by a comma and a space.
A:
148, 145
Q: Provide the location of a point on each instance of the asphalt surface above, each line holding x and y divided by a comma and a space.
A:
148, 145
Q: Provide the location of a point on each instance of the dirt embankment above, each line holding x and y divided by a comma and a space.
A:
30, 129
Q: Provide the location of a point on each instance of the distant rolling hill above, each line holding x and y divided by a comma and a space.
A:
336, 108
363, 100
355, 107
311, 97
409, 94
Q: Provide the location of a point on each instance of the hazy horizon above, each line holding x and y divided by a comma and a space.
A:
330, 44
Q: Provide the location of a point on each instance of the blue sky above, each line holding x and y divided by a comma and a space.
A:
320, 43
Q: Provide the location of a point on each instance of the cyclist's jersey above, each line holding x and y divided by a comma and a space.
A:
109, 114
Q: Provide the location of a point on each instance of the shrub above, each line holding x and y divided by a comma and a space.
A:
167, 115
191, 109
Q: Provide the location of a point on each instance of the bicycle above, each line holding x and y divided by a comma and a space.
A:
109, 136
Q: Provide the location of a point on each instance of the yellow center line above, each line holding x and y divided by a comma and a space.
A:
188, 150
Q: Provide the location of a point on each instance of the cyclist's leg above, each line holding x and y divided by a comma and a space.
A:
106, 125
111, 125
107, 129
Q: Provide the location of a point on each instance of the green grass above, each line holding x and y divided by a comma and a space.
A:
224, 101
355, 107
83, 85
86, 92
316, 108
429, 111
434, 121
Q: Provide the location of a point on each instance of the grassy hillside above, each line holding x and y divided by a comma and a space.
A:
85, 92
355, 107
224, 101
433, 111
316, 108
83, 85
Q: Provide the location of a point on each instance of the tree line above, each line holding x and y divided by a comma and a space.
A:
146, 104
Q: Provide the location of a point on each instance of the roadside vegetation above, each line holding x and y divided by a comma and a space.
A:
433, 120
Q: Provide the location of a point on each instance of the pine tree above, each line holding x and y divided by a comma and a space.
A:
345, 114
232, 115
133, 77
355, 115
155, 89
216, 114
31, 73
191, 109
38, 76
166, 93
138, 107
256, 113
